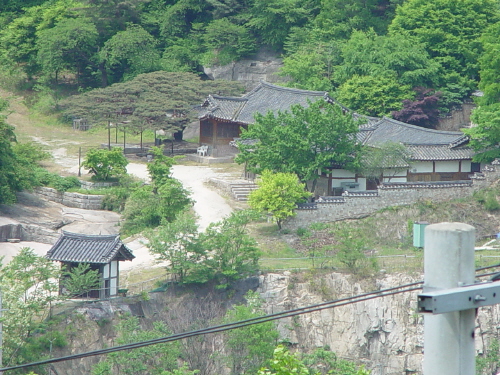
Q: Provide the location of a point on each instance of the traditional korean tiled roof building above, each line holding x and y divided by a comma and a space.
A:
101, 252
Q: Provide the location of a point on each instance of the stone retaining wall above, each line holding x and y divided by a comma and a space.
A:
354, 205
88, 202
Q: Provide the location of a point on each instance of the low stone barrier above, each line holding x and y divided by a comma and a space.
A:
85, 201
354, 205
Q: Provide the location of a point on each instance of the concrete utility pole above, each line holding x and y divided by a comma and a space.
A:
449, 263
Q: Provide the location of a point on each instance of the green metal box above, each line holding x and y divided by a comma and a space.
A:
418, 233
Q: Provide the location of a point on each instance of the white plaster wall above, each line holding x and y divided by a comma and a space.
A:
343, 173
421, 167
395, 179
447, 166
337, 183
362, 184
466, 165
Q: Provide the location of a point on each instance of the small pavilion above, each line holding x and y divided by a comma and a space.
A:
101, 252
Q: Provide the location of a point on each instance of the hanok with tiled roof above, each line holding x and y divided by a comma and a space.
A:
101, 252
222, 117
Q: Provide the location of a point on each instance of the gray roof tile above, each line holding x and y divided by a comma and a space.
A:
84, 248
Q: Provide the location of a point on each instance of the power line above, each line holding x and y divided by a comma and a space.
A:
239, 324
242, 323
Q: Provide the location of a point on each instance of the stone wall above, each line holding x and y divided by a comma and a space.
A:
88, 202
457, 118
353, 205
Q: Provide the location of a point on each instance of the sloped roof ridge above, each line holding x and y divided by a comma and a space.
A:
287, 89
418, 127
90, 236
235, 98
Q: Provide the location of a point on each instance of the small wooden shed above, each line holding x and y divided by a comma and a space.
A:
101, 252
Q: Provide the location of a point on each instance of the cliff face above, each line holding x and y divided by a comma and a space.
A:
385, 334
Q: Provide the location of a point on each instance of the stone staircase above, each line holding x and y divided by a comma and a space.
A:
241, 190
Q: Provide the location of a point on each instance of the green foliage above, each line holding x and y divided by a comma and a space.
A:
80, 280
227, 42
450, 31
70, 45
489, 64
489, 362
148, 206
160, 168
233, 253
284, 363
323, 361
178, 244
488, 198
29, 287
389, 159
105, 164
485, 137
303, 141
224, 253
351, 246
146, 99
249, 348
150, 360
278, 195
131, 52
373, 96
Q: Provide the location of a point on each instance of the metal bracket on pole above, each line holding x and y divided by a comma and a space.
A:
459, 299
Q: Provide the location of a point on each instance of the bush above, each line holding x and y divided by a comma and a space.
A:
488, 199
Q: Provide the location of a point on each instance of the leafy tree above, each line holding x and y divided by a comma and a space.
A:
233, 253
303, 141
29, 287
272, 19
339, 18
150, 360
178, 244
373, 96
105, 164
449, 30
130, 52
485, 136
227, 42
70, 45
278, 195
249, 348
160, 168
351, 245
146, 99
80, 280
398, 56
284, 363
323, 361
148, 206
388, 158
489, 63
9, 182
423, 111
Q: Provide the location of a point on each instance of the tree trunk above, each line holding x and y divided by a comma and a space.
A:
104, 74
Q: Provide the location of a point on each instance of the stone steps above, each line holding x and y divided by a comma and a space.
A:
241, 190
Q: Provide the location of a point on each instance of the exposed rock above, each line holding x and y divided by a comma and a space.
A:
263, 66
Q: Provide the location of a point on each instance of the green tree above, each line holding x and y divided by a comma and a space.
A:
130, 52
373, 96
148, 206
29, 288
80, 280
160, 168
351, 246
485, 136
386, 160
233, 253
70, 45
278, 195
9, 182
227, 42
105, 164
146, 99
178, 244
284, 363
305, 141
323, 361
150, 360
489, 63
450, 32
249, 348
272, 19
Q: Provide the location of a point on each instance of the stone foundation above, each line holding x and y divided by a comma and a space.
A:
87, 202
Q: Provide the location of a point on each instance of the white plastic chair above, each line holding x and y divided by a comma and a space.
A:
202, 151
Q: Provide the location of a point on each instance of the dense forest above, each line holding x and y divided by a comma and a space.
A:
412, 59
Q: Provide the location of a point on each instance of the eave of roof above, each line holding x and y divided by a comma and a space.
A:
82, 248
